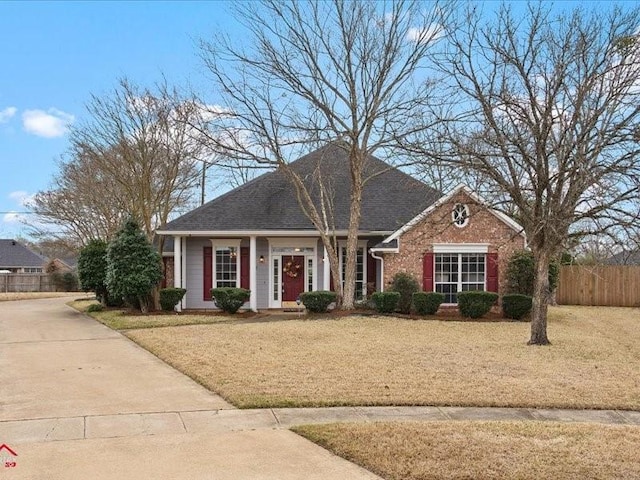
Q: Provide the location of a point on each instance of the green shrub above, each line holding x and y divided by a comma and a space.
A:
69, 282
427, 303
406, 286
230, 299
92, 269
521, 272
134, 267
516, 306
94, 307
170, 297
475, 304
385, 302
319, 301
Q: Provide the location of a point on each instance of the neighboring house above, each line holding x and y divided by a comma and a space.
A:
63, 265
17, 258
257, 237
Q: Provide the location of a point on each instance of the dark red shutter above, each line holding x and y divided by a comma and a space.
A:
331, 281
492, 272
427, 272
244, 267
371, 272
207, 273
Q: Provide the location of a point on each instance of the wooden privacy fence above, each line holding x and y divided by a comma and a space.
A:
25, 282
607, 285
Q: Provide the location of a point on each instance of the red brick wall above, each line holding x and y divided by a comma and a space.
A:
482, 227
167, 281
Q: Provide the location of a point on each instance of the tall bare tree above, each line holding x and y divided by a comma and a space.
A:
319, 71
546, 109
136, 155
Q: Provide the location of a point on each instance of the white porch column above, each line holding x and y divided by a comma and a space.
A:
177, 265
253, 281
326, 270
183, 302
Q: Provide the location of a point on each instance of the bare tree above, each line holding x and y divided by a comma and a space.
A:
322, 71
72, 211
136, 155
546, 110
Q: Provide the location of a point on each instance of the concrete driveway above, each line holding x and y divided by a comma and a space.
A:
79, 400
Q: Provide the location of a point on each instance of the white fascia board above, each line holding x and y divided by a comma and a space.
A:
263, 233
442, 200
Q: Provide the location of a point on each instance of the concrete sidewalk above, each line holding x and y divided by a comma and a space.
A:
223, 421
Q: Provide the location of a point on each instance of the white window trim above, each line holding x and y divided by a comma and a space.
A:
361, 244
459, 282
461, 248
280, 242
225, 243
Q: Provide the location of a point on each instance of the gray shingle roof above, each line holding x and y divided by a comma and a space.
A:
268, 202
14, 254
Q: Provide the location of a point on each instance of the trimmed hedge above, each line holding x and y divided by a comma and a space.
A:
170, 297
475, 304
427, 303
318, 301
230, 299
385, 302
516, 306
406, 286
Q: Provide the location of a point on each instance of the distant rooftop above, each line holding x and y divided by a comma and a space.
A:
15, 255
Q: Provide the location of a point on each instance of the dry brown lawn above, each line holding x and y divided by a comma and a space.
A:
485, 450
122, 320
593, 362
8, 297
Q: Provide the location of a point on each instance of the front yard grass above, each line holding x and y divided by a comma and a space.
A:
387, 361
483, 450
9, 297
119, 319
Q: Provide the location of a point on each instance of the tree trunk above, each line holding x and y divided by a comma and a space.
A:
348, 301
540, 300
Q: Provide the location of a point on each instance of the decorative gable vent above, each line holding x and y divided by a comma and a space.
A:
460, 215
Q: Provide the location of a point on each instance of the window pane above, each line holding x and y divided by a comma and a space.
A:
276, 278
226, 267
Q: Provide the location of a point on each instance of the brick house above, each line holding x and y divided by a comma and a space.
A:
257, 237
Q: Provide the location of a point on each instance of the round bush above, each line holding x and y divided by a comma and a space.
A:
385, 302
427, 303
230, 299
94, 307
521, 273
170, 297
516, 306
475, 304
406, 286
319, 301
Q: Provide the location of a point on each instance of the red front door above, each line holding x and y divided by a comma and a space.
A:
292, 277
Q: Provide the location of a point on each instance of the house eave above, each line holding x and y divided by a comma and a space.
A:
265, 233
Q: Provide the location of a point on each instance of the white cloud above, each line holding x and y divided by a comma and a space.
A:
21, 197
11, 217
422, 35
7, 113
49, 124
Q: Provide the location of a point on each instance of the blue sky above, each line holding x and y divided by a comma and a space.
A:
54, 55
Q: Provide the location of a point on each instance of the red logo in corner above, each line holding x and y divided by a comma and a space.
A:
7, 456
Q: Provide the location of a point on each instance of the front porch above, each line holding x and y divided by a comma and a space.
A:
276, 269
